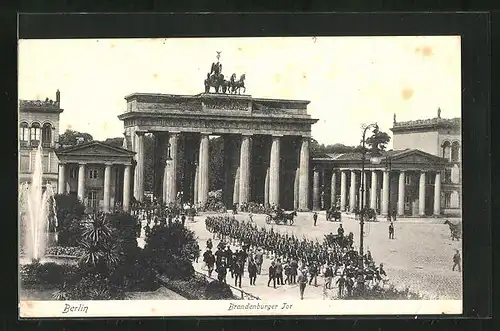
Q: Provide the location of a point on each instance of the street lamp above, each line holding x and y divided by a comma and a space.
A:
375, 159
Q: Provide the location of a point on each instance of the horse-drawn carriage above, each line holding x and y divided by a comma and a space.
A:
455, 230
333, 215
369, 214
279, 217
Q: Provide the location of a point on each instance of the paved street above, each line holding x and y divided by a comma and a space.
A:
420, 256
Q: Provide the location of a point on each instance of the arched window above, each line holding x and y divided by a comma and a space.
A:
46, 134
446, 149
455, 149
35, 131
24, 133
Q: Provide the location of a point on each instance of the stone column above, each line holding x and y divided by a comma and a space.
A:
139, 168
236, 191
401, 194
171, 169
385, 193
266, 189
373, 191
195, 185
126, 187
61, 186
421, 195
274, 172
304, 175
296, 188
352, 191
203, 171
333, 191
107, 187
437, 194
81, 182
245, 171
343, 190
316, 191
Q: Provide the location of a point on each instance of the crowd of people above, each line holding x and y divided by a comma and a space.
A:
294, 260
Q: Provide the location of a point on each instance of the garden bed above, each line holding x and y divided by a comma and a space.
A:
198, 288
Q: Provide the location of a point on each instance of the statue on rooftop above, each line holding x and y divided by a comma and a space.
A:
439, 112
394, 119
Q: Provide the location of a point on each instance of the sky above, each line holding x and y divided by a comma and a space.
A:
348, 80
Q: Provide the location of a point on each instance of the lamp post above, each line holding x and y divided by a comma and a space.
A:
375, 160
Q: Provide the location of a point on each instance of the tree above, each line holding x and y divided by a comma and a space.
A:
116, 142
70, 137
378, 141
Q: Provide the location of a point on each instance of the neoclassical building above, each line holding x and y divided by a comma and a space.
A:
39, 124
98, 173
266, 146
419, 177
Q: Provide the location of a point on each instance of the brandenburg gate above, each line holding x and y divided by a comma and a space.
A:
266, 146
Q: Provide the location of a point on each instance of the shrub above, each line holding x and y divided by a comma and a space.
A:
171, 250
92, 286
214, 204
48, 274
126, 230
69, 211
218, 291
64, 250
135, 275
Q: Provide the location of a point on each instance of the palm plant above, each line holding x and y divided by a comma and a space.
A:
99, 243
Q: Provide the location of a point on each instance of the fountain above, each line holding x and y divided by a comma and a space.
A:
35, 209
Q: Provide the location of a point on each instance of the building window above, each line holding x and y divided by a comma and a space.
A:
35, 134
73, 173
430, 179
446, 148
92, 199
455, 149
408, 180
24, 133
93, 173
447, 199
447, 175
46, 135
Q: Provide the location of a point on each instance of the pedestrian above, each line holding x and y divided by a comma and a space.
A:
456, 261
221, 271
183, 219
349, 286
315, 218
302, 282
287, 269
313, 271
341, 282
209, 244
209, 260
294, 266
252, 271
279, 272
394, 214
272, 274
391, 230
238, 272
328, 277
340, 231
259, 259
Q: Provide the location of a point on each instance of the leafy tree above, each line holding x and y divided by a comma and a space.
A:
117, 141
69, 211
378, 141
171, 249
70, 137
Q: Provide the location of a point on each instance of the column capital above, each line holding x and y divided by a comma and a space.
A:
63, 163
205, 133
276, 135
81, 163
108, 164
